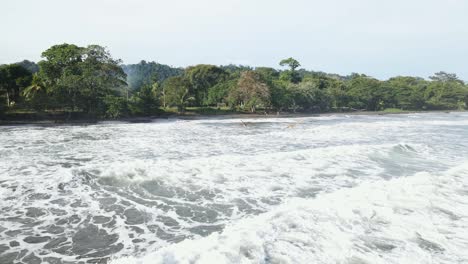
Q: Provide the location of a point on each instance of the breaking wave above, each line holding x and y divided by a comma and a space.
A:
329, 189
418, 219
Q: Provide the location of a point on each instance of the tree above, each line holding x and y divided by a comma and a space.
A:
60, 73
365, 93
250, 92
219, 93
337, 92
446, 93
177, 92
88, 80
13, 79
115, 106
280, 97
36, 94
267, 74
146, 100
291, 74
79, 78
308, 96
101, 75
291, 63
408, 92
202, 77
29, 65
445, 77
142, 73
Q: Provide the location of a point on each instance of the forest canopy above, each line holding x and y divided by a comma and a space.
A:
89, 81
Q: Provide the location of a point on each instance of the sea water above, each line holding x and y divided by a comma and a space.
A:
328, 189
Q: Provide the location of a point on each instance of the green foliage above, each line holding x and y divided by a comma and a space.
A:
31, 66
308, 96
13, 79
291, 63
115, 107
290, 75
202, 77
219, 93
251, 92
267, 74
101, 75
36, 94
143, 73
145, 101
281, 95
88, 81
235, 70
408, 92
366, 93
446, 95
445, 77
79, 78
177, 92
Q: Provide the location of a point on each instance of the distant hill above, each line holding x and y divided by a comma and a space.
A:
144, 72
29, 65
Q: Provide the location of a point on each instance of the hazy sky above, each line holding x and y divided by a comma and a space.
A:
379, 37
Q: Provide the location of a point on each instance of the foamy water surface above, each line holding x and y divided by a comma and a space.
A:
330, 189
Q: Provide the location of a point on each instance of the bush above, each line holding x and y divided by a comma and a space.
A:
144, 102
115, 107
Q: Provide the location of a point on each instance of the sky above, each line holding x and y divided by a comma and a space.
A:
381, 38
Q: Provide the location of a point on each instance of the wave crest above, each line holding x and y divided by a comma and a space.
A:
381, 222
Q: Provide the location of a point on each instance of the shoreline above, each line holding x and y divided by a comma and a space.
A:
195, 116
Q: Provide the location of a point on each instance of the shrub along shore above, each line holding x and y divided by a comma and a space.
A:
85, 84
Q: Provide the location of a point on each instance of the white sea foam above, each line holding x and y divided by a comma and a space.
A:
418, 219
283, 189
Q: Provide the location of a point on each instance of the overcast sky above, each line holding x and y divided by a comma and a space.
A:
381, 38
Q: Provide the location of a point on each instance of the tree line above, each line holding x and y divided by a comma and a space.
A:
87, 80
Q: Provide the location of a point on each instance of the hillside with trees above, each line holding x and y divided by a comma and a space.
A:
88, 82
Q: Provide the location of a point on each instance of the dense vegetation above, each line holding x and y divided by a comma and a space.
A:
88, 81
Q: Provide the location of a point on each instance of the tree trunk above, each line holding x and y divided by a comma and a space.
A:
8, 98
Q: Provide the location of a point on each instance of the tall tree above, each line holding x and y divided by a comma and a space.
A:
445, 77
408, 92
146, 100
79, 78
250, 92
36, 94
60, 72
100, 75
308, 96
292, 63
13, 79
365, 93
202, 77
177, 92
291, 74
446, 91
